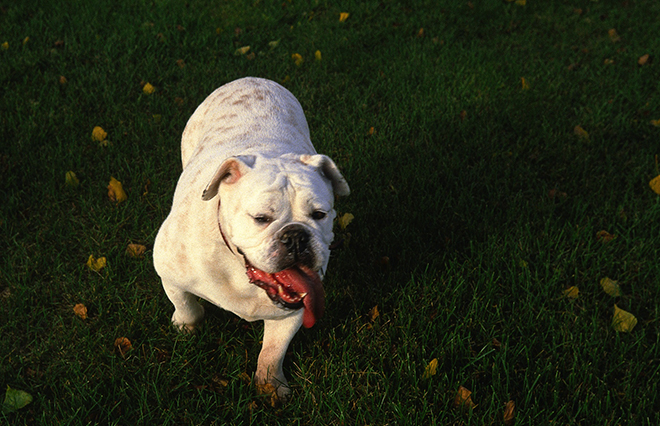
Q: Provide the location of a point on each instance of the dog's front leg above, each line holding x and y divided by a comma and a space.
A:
277, 336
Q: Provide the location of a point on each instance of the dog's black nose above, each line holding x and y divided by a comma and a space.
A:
295, 240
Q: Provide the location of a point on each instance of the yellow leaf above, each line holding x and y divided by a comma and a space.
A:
525, 83
655, 184
343, 16
80, 310
580, 132
116, 191
509, 413
572, 292
345, 220
623, 321
521, 2
96, 264
148, 89
297, 58
655, 123
608, 61
98, 134
25, 40
431, 369
70, 179
317, 55
242, 50
463, 399
5, 45
135, 250
611, 287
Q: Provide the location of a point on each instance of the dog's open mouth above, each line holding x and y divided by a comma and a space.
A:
293, 288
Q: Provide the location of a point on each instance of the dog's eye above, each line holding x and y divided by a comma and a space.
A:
318, 215
262, 219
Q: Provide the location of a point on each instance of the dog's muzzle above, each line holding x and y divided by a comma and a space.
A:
294, 240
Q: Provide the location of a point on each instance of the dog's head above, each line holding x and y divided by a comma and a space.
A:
277, 213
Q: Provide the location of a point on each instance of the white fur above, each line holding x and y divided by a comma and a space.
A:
246, 152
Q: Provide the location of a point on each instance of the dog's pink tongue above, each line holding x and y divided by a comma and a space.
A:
303, 280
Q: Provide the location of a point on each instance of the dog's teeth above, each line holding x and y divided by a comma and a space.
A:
301, 295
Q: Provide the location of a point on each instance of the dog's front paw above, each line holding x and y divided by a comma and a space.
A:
277, 394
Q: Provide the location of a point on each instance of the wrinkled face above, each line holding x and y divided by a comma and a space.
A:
279, 214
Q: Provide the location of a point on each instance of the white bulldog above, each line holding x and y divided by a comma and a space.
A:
251, 219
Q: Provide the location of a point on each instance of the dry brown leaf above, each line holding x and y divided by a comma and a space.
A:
135, 250
463, 399
614, 37
604, 236
643, 59
123, 345
373, 313
509, 413
80, 310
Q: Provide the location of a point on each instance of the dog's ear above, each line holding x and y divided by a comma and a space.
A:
329, 169
229, 172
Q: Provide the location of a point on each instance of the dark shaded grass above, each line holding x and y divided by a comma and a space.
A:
456, 238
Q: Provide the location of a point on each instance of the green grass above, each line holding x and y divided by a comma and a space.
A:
456, 238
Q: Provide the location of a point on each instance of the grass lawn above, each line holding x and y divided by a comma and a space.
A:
499, 154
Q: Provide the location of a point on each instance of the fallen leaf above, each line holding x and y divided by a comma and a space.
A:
655, 123
521, 2
345, 220
148, 89
525, 83
343, 16
267, 390
509, 413
608, 61
655, 184
317, 55
242, 50
123, 345
643, 59
298, 59
15, 400
98, 134
614, 36
604, 236
580, 132
70, 179
571, 292
180, 63
135, 250
5, 45
463, 399
273, 44
611, 287
80, 310
420, 33
623, 321
25, 40
96, 264
431, 369
373, 313
116, 192
63, 80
